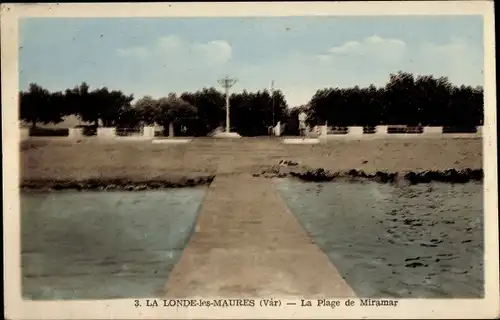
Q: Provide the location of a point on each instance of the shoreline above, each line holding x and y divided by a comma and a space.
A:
452, 176
115, 184
413, 177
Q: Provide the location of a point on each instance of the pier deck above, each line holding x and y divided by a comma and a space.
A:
247, 243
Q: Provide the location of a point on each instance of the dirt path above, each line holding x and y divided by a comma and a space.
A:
247, 243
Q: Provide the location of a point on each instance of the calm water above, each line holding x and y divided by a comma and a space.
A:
102, 245
411, 241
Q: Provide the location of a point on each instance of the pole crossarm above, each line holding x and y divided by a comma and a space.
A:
227, 82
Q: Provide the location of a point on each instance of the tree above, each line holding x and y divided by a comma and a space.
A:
252, 113
406, 99
39, 105
400, 106
79, 101
146, 109
291, 120
280, 108
210, 104
112, 106
176, 111
100, 104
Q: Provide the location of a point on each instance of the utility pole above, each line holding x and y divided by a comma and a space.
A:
272, 97
227, 83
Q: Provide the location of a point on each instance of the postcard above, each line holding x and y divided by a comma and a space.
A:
250, 160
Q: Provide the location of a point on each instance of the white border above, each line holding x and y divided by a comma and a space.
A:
15, 308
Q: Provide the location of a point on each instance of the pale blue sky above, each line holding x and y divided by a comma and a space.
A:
155, 56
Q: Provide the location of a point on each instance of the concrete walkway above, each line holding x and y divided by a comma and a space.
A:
248, 243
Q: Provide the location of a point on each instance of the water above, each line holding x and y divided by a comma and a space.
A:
420, 241
103, 245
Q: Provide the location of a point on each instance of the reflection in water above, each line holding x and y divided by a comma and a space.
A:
407, 241
103, 245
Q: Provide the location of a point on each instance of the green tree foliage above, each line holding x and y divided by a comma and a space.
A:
111, 107
146, 109
253, 113
38, 105
77, 100
107, 106
405, 99
291, 121
210, 104
176, 111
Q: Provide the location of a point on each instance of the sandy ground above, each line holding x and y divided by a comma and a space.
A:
139, 160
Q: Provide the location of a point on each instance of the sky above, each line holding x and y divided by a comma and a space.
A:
156, 56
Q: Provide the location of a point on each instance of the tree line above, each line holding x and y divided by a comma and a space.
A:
200, 112
405, 99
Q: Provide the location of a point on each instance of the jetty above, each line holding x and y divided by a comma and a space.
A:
247, 243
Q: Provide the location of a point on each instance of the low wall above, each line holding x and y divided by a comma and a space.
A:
149, 132
129, 132
171, 141
25, 133
433, 130
301, 141
338, 130
403, 129
369, 129
277, 129
394, 132
89, 131
354, 131
106, 133
381, 130
460, 129
75, 133
101, 133
145, 133
48, 132
350, 132
322, 132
